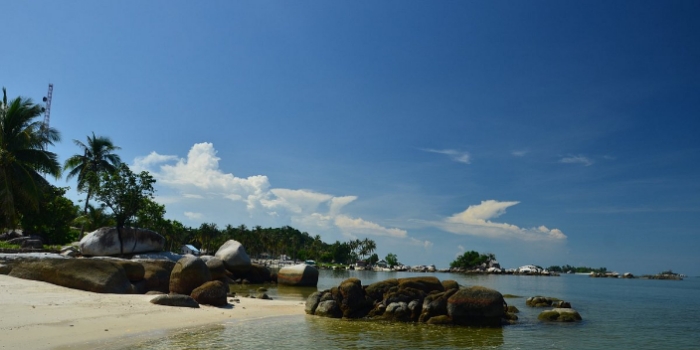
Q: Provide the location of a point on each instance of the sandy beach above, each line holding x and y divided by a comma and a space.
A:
39, 315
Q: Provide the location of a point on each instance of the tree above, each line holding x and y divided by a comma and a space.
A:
56, 214
471, 259
95, 218
124, 193
23, 158
96, 159
391, 259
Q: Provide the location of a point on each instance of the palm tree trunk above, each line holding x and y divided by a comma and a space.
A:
87, 200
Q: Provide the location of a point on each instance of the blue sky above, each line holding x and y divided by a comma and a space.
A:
545, 132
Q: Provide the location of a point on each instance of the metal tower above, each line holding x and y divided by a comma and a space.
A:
47, 109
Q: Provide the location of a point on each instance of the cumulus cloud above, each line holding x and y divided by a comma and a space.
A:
576, 160
198, 177
457, 156
476, 220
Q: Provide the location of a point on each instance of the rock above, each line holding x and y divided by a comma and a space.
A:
562, 304
427, 284
300, 275
405, 295
263, 296
397, 311
476, 306
105, 241
189, 273
442, 319
377, 290
134, 270
450, 284
233, 254
69, 251
560, 315
5, 269
435, 305
216, 268
312, 302
206, 258
540, 301
211, 293
94, 275
158, 256
157, 274
328, 308
353, 304
259, 274
512, 309
175, 300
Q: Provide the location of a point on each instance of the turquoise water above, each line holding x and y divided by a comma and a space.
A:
617, 313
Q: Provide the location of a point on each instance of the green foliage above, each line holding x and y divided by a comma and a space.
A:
52, 218
124, 193
392, 259
5, 245
373, 259
94, 219
23, 158
471, 259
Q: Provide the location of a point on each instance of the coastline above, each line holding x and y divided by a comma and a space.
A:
40, 315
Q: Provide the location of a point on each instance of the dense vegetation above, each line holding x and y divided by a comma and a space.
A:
30, 203
471, 260
580, 269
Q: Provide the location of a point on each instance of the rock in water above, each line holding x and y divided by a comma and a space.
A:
300, 275
476, 306
105, 241
211, 293
560, 315
175, 300
233, 254
189, 273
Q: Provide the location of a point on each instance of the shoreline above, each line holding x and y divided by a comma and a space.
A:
40, 315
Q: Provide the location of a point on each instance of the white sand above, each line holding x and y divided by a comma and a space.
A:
39, 315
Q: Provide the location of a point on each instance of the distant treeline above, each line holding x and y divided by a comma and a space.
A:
579, 269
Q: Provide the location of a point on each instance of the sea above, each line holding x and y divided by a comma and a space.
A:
617, 314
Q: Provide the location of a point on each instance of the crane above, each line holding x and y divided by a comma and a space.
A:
47, 110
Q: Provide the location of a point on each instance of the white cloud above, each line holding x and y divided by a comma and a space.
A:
199, 177
520, 153
457, 156
576, 160
193, 216
357, 226
475, 220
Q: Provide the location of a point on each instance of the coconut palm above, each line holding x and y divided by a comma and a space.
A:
97, 158
23, 157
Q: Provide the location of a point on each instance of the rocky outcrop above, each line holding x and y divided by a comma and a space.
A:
94, 275
233, 254
175, 300
417, 299
300, 275
157, 274
105, 242
189, 273
216, 268
540, 301
476, 306
560, 315
211, 293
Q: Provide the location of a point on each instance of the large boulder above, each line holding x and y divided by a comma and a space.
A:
354, 303
233, 254
377, 290
540, 301
435, 305
312, 302
560, 315
476, 306
94, 275
328, 308
175, 300
216, 268
189, 273
105, 241
211, 293
256, 274
157, 274
425, 283
300, 275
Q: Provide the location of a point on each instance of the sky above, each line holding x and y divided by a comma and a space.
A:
545, 132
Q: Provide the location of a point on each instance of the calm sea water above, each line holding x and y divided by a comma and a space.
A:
618, 314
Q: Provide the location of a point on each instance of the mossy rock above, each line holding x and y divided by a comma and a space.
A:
442, 319
427, 284
512, 309
450, 284
540, 301
377, 290
560, 315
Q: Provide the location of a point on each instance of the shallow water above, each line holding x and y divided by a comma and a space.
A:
617, 313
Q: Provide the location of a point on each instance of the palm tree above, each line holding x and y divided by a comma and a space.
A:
97, 158
23, 157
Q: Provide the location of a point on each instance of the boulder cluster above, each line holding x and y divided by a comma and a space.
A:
415, 299
562, 311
